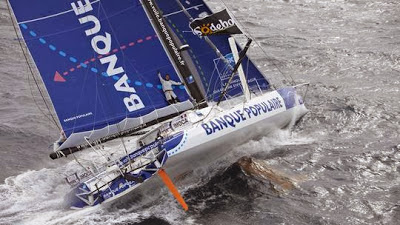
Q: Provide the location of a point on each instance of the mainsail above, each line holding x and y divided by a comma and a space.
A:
213, 71
99, 63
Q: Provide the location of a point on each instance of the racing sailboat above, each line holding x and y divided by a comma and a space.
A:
99, 61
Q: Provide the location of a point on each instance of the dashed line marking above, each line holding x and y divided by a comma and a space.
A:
33, 34
72, 59
85, 63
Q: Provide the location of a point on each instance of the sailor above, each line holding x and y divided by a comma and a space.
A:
60, 141
167, 88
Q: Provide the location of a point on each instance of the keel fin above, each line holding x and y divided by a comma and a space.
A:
168, 182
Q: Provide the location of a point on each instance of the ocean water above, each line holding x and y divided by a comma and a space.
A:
339, 165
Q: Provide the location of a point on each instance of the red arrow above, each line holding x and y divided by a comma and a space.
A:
58, 77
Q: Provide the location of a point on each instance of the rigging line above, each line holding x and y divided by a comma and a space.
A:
63, 31
97, 101
241, 57
107, 97
210, 43
35, 101
258, 44
124, 56
79, 101
224, 72
224, 89
99, 150
101, 105
84, 83
190, 64
107, 18
85, 168
31, 70
206, 39
209, 88
246, 76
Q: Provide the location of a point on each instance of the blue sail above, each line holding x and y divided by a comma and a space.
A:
212, 70
99, 63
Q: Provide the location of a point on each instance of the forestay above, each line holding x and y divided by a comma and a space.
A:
99, 62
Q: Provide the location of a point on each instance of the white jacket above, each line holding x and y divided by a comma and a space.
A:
167, 84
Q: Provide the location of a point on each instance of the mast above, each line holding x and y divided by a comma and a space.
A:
238, 59
208, 41
172, 49
213, 66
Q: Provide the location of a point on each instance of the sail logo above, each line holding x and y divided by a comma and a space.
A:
230, 59
234, 118
211, 28
217, 23
117, 188
101, 44
165, 32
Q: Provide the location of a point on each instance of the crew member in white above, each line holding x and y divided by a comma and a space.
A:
167, 88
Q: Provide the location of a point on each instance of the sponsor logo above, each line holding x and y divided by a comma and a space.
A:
166, 34
212, 28
181, 121
217, 23
139, 152
110, 192
234, 118
78, 117
101, 44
